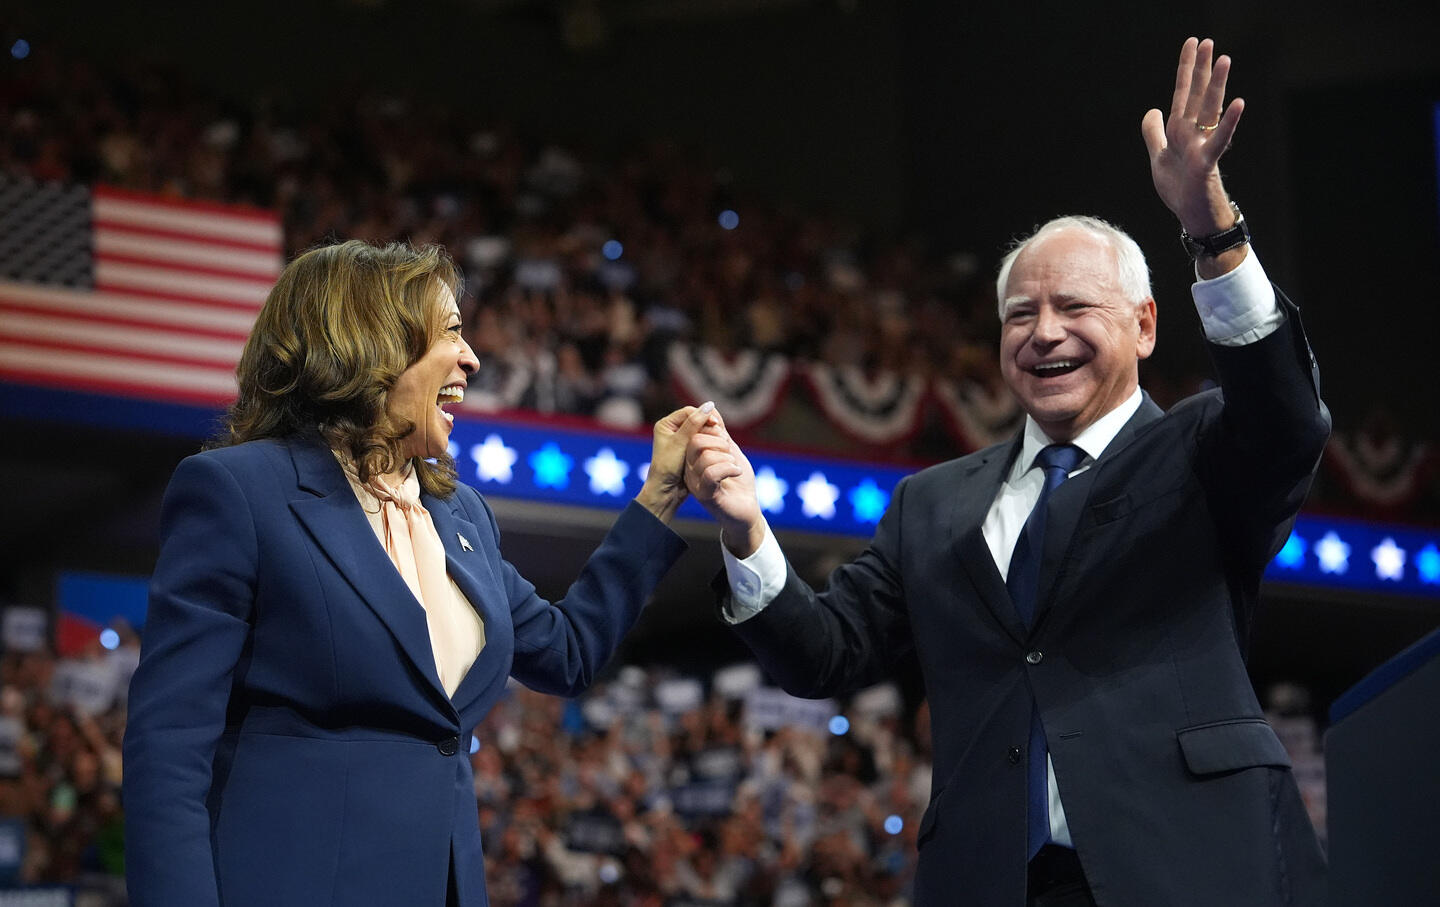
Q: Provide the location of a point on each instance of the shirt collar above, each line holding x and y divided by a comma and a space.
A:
1092, 440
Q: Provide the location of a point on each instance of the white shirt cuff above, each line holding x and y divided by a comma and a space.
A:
755, 581
1238, 307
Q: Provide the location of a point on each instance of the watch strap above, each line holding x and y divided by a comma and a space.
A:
1216, 243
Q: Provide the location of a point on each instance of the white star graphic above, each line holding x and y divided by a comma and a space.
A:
770, 490
644, 471
818, 496
493, 460
607, 473
1389, 560
1334, 554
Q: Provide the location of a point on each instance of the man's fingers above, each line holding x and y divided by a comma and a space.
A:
1199, 80
1152, 129
702, 443
699, 461
1213, 104
718, 472
1183, 71
1225, 131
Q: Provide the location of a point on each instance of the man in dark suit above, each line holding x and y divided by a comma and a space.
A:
1079, 599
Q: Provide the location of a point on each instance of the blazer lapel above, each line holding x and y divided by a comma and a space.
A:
327, 507
468, 569
1069, 501
975, 493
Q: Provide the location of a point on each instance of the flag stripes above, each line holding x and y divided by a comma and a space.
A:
160, 305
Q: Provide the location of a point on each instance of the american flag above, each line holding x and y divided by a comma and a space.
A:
115, 292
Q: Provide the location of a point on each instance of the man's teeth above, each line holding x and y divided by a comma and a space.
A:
450, 395
1056, 366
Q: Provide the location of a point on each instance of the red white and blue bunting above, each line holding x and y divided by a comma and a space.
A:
879, 409
1386, 472
747, 386
977, 415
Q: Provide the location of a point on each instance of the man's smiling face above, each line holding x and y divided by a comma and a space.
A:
1070, 342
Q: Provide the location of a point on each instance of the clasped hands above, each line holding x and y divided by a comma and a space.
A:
694, 454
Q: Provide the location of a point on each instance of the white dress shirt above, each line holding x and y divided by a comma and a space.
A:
1235, 309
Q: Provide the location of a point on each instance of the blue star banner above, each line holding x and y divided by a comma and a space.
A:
1349, 554
542, 462
591, 469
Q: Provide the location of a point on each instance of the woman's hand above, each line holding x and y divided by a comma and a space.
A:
664, 489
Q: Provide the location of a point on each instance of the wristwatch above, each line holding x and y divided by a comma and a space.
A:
1216, 243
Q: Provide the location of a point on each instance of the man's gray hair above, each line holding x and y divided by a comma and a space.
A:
1131, 271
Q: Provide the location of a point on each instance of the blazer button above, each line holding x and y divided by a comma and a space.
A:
449, 746
1013, 757
1035, 657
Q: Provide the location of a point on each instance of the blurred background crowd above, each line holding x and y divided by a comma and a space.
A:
654, 789
587, 273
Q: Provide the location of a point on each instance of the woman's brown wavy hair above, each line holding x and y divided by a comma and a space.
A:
340, 325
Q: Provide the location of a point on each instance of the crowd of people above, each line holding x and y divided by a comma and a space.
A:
582, 269
579, 270
61, 816
651, 789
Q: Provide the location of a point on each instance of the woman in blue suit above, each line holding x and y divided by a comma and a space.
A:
330, 615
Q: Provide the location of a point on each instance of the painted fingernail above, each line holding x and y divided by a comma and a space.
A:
707, 406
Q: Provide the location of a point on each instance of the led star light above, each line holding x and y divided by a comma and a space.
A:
1292, 556
552, 468
493, 460
818, 496
770, 490
1389, 560
1334, 554
1427, 564
607, 473
869, 501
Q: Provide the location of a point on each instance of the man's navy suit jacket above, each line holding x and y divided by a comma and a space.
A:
1176, 790
288, 740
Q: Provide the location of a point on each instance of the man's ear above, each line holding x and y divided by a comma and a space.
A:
1145, 343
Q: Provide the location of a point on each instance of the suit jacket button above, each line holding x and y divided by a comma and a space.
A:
1035, 657
1013, 757
449, 746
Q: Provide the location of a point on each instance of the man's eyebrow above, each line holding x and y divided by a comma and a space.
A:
1017, 300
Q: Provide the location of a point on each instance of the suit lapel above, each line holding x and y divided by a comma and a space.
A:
1069, 501
469, 571
327, 507
976, 492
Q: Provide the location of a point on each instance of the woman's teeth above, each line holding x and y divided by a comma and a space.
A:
453, 394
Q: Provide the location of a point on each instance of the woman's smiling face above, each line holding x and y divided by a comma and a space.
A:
434, 380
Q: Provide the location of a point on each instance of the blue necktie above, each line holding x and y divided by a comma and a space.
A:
1056, 461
